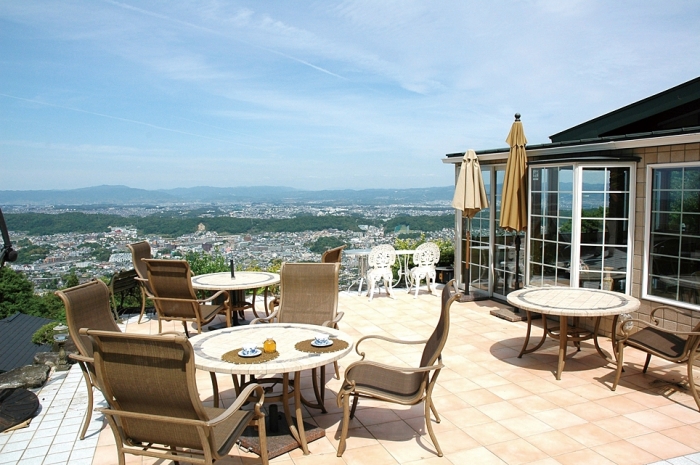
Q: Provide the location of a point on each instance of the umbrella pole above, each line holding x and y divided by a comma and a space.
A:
517, 261
468, 268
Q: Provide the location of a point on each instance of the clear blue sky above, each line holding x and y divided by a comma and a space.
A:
312, 95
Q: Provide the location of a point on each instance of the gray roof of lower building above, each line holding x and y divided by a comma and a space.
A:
16, 346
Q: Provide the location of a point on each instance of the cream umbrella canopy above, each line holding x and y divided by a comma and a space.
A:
514, 194
470, 195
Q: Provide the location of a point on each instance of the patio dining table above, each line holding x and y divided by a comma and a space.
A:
570, 302
237, 286
294, 355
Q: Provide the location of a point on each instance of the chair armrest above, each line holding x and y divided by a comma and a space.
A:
334, 322
209, 299
407, 370
384, 338
625, 326
274, 303
81, 358
240, 401
265, 319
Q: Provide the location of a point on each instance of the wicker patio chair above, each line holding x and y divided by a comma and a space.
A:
308, 295
401, 385
425, 258
333, 255
87, 306
674, 346
175, 299
154, 409
381, 259
139, 251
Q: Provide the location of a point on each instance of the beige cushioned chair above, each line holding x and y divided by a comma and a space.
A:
175, 299
674, 346
308, 295
154, 409
334, 255
139, 251
87, 306
401, 385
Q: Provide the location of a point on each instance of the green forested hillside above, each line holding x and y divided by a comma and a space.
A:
42, 223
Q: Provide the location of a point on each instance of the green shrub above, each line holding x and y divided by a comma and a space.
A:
44, 335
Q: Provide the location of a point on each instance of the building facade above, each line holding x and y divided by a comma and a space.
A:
613, 203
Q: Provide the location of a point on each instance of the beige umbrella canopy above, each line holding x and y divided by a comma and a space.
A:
514, 194
470, 195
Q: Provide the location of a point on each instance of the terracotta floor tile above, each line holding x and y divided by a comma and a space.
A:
563, 398
621, 404
626, 453
590, 411
466, 417
584, 457
654, 420
517, 451
555, 443
533, 403
623, 427
500, 410
368, 454
478, 455
490, 433
681, 413
526, 425
559, 418
480, 397
590, 435
688, 435
661, 445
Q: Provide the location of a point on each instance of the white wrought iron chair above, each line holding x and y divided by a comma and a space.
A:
425, 258
381, 259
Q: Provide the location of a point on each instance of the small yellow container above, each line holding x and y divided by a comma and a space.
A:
269, 346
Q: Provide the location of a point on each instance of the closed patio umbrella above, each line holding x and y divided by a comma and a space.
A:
514, 194
470, 195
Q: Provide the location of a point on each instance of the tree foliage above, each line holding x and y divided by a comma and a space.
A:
421, 222
324, 243
176, 225
17, 295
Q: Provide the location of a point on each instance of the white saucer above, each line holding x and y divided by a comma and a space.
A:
254, 354
318, 344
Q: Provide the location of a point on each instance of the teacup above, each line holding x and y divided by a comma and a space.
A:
321, 338
249, 349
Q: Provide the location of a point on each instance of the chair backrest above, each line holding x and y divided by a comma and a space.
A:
333, 255
139, 251
171, 279
382, 256
436, 341
308, 292
426, 254
151, 375
87, 306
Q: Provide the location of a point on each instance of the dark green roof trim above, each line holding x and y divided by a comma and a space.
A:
593, 140
669, 109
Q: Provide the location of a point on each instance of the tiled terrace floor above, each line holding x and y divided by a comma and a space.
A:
495, 407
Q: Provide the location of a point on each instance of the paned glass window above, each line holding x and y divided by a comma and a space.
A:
673, 265
604, 248
551, 202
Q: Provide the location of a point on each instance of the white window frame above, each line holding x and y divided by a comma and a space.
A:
647, 236
576, 215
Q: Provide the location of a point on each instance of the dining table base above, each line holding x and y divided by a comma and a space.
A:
571, 333
299, 432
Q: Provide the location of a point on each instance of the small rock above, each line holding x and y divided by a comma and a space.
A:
30, 376
46, 358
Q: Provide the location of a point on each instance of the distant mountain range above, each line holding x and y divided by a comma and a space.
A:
123, 195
